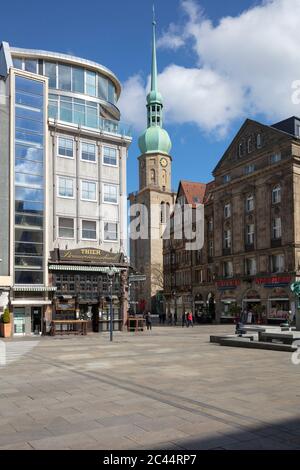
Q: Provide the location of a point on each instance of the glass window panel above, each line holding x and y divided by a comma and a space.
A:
28, 137
29, 153
28, 220
79, 112
65, 147
66, 109
64, 77
31, 168
110, 231
30, 86
65, 227
88, 152
110, 193
31, 65
102, 88
65, 187
90, 86
25, 179
110, 156
28, 262
28, 277
27, 99
91, 116
50, 72
78, 79
28, 194
28, 236
29, 113
88, 190
35, 249
18, 63
29, 207
53, 109
29, 124
89, 230
111, 92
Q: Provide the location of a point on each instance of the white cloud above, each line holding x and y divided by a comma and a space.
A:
244, 65
133, 101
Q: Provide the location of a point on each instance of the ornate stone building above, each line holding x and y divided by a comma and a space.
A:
155, 196
251, 252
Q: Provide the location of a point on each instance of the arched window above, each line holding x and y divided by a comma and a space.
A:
276, 194
249, 203
164, 178
162, 213
152, 176
258, 141
167, 211
249, 145
241, 149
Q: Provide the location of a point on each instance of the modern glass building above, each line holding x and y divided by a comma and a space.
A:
62, 180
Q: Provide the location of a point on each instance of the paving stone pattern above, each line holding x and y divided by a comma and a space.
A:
165, 389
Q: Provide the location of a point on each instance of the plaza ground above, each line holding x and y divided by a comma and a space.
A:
165, 389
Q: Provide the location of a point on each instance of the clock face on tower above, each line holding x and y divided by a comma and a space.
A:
164, 162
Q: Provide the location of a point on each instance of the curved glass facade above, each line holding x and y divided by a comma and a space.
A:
29, 181
71, 78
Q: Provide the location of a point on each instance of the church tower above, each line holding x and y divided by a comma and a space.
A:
155, 194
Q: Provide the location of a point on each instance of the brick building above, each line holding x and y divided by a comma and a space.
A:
251, 250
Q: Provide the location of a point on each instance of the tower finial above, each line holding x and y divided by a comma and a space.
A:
154, 62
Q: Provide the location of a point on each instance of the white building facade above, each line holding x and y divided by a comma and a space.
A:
63, 164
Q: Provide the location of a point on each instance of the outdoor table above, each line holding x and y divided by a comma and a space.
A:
136, 324
67, 327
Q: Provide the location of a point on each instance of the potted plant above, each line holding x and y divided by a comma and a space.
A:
5, 324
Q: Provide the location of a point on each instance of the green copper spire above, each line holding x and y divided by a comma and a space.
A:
154, 62
154, 139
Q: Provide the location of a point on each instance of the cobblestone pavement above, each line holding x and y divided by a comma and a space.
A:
165, 389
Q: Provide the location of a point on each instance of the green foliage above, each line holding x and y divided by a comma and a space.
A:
5, 316
234, 309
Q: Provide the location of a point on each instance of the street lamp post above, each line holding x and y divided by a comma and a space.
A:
110, 274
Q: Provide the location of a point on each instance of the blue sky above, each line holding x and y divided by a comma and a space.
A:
118, 35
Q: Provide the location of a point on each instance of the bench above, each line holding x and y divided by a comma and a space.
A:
284, 338
245, 343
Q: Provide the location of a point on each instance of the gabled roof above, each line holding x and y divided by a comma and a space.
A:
239, 134
194, 192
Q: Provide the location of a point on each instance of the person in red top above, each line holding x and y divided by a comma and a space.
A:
190, 319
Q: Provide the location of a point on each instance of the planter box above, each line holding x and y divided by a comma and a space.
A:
5, 330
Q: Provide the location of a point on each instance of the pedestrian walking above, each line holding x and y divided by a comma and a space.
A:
148, 321
183, 319
190, 319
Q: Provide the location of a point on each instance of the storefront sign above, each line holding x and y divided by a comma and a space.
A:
228, 284
90, 254
273, 281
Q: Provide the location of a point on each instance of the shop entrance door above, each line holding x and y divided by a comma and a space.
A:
36, 320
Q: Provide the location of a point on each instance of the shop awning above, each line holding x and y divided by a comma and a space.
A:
33, 302
71, 267
31, 288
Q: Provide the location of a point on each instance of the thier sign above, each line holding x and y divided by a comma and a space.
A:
137, 278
